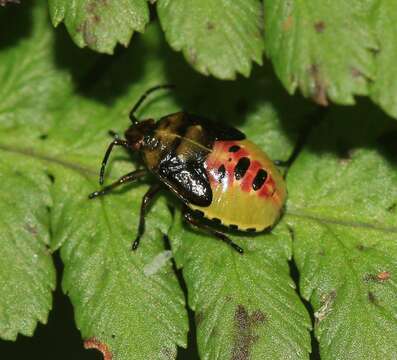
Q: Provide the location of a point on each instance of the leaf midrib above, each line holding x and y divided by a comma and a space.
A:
87, 172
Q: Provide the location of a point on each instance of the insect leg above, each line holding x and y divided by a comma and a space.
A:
119, 142
221, 236
113, 134
133, 119
124, 179
146, 201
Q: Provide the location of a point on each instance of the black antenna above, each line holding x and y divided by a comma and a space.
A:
133, 119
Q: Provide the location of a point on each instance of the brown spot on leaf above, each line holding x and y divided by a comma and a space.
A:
319, 26
31, 229
168, 353
192, 55
356, 73
93, 343
199, 317
89, 37
210, 25
383, 276
380, 277
372, 298
258, 317
320, 89
244, 332
287, 23
360, 247
326, 306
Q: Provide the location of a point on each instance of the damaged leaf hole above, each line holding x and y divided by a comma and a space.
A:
43, 137
244, 331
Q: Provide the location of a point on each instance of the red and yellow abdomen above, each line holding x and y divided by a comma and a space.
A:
248, 191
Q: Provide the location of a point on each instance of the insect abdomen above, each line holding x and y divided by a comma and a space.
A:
247, 189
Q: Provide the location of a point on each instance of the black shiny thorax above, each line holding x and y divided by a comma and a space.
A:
175, 149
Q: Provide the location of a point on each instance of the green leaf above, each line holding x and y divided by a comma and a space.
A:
29, 85
324, 48
384, 85
342, 211
27, 274
48, 169
246, 306
100, 25
217, 38
29, 78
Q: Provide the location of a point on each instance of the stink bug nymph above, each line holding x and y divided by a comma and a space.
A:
219, 176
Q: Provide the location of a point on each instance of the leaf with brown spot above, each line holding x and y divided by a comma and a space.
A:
342, 207
334, 35
245, 332
45, 182
221, 38
100, 25
247, 305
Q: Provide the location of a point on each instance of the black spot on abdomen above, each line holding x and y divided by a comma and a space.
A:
221, 172
234, 148
241, 168
259, 179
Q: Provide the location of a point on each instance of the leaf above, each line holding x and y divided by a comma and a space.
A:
217, 38
24, 95
114, 301
342, 210
100, 25
324, 48
27, 274
384, 85
246, 306
29, 84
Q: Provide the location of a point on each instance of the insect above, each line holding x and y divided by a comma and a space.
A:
220, 177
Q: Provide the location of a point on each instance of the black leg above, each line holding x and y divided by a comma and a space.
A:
133, 119
124, 179
113, 134
146, 201
118, 142
191, 220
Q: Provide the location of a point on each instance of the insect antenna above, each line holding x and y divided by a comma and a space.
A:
133, 119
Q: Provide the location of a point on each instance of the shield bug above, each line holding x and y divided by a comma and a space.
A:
221, 177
